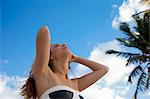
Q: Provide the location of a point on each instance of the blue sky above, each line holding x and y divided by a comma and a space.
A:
79, 23
82, 24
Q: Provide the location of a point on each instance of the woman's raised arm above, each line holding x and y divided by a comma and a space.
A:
42, 50
85, 81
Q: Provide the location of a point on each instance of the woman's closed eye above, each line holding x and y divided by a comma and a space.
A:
55, 45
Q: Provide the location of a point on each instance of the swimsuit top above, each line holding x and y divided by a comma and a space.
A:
61, 92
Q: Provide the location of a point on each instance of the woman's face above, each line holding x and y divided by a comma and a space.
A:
59, 51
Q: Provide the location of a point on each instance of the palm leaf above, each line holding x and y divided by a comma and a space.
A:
143, 24
138, 43
147, 83
137, 59
123, 54
137, 71
123, 41
125, 28
140, 85
135, 95
133, 40
130, 42
126, 55
146, 33
148, 77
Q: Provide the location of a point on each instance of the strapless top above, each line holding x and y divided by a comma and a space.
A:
61, 92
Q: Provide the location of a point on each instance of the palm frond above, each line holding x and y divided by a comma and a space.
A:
142, 41
141, 84
147, 83
135, 95
136, 72
139, 43
124, 41
128, 42
143, 24
148, 77
125, 28
146, 33
132, 40
131, 60
139, 23
137, 59
123, 54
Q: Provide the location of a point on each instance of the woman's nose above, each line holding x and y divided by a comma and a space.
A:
64, 44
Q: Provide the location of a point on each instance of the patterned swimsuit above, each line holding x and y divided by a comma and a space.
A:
61, 92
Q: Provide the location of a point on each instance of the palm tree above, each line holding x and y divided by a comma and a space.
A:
139, 38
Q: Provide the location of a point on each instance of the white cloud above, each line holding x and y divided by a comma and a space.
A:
10, 87
117, 69
113, 84
93, 92
126, 10
115, 23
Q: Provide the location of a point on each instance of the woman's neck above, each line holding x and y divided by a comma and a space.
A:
61, 68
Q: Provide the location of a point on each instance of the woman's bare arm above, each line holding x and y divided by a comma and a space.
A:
85, 81
42, 50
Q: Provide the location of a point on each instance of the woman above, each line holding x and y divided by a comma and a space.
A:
49, 75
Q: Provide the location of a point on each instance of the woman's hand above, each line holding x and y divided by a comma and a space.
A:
73, 58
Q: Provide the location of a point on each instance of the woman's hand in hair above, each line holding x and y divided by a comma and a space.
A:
73, 58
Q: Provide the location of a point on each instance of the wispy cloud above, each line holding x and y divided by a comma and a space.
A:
114, 6
3, 62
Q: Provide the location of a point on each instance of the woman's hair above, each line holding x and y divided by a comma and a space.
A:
28, 90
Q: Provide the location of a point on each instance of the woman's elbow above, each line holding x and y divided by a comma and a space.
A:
106, 69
